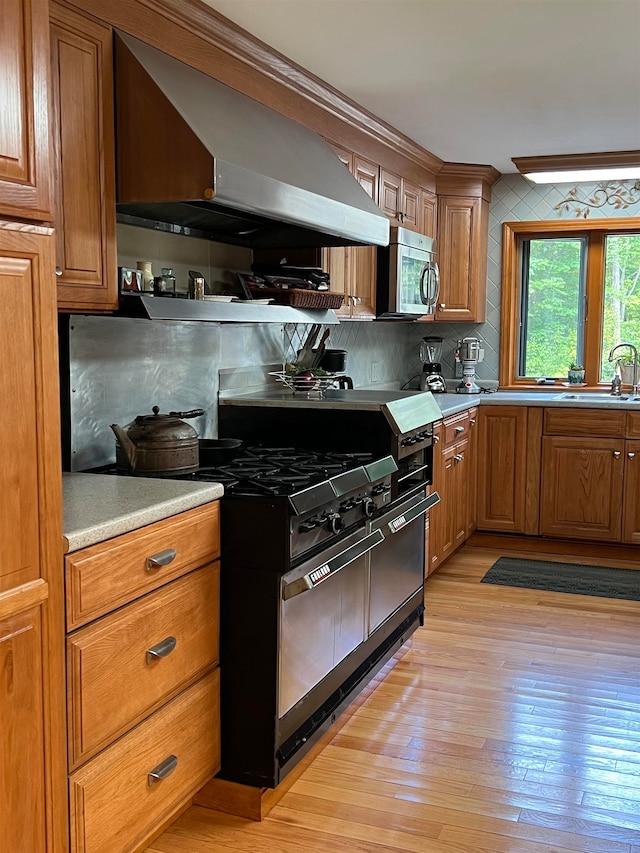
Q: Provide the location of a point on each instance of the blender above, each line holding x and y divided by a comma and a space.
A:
432, 378
469, 353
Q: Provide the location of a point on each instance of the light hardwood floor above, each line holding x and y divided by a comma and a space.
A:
511, 725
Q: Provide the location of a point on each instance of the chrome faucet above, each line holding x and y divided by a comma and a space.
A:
635, 391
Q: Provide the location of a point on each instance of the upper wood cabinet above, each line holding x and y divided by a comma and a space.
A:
464, 194
353, 269
400, 199
428, 212
25, 173
83, 132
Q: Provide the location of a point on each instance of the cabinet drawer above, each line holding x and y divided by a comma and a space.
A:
114, 682
455, 428
633, 425
587, 422
114, 808
113, 573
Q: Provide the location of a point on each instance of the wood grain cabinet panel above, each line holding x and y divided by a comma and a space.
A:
461, 260
26, 283
161, 643
582, 482
428, 221
586, 422
116, 804
113, 573
502, 460
22, 746
631, 494
25, 156
83, 132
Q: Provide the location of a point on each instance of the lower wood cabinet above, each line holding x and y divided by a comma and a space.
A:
22, 744
142, 678
509, 468
123, 796
453, 519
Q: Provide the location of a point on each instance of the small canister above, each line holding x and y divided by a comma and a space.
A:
196, 288
147, 274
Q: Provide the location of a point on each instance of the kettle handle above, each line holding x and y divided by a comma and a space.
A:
192, 413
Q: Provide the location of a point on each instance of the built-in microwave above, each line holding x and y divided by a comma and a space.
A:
408, 281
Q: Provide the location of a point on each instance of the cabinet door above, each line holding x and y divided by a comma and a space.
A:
461, 490
368, 176
22, 785
82, 75
427, 222
631, 502
472, 471
462, 258
410, 205
435, 516
361, 269
502, 455
582, 487
390, 200
25, 183
21, 271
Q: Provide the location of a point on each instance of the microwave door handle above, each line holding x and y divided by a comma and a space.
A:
424, 297
436, 279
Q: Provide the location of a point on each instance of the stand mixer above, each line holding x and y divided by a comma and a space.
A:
469, 353
432, 378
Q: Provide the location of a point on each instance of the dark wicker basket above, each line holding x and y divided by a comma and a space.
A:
299, 298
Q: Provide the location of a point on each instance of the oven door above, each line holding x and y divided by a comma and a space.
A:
397, 566
414, 280
323, 612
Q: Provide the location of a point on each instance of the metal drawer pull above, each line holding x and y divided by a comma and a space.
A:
459, 429
631, 455
409, 515
161, 649
164, 769
163, 558
616, 454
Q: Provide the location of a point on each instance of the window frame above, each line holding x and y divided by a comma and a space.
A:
513, 233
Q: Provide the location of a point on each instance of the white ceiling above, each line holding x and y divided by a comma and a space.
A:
472, 81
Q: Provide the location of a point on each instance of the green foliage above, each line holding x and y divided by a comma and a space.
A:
555, 294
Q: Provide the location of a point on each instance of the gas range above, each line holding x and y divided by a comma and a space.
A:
312, 499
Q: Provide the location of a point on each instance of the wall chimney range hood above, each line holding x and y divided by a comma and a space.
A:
194, 154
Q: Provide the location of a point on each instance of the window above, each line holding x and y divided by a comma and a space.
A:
570, 292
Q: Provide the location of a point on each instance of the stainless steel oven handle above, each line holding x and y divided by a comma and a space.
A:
332, 566
396, 524
425, 297
413, 473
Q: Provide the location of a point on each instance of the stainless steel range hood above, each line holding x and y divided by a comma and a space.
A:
195, 154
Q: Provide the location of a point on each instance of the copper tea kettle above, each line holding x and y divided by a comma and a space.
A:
158, 445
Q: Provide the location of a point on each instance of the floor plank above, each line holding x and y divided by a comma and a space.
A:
511, 725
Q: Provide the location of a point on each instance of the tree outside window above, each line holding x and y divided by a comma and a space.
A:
571, 291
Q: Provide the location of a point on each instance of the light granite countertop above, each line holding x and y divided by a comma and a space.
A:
99, 506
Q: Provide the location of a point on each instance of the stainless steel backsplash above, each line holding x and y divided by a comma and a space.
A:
121, 367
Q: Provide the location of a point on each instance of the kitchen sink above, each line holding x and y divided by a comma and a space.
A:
596, 397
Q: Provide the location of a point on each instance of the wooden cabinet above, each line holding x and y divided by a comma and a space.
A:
32, 777
453, 519
428, 220
509, 468
84, 158
22, 743
353, 269
25, 172
464, 195
143, 681
400, 199
590, 477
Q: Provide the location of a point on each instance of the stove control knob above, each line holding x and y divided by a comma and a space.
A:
309, 524
369, 507
346, 506
334, 522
